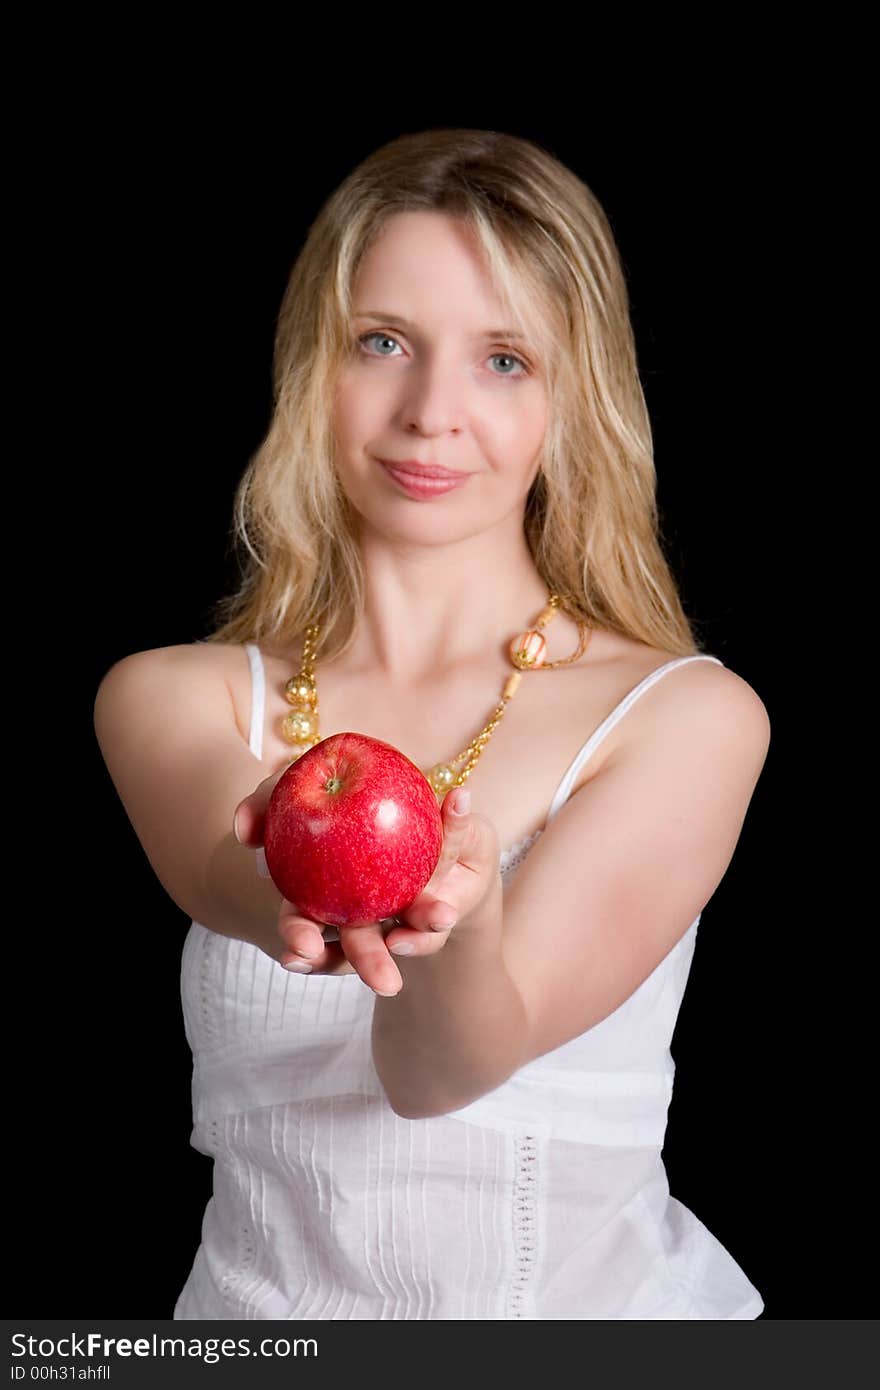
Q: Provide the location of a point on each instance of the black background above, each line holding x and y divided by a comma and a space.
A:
168, 252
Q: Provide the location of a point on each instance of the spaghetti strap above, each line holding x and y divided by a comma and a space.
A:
258, 698
563, 791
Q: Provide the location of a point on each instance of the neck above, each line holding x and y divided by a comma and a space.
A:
431, 610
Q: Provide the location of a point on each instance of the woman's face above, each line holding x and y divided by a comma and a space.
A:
431, 378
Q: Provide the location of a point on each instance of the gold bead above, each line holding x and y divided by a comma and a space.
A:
512, 686
299, 726
528, 650
303, 748
546, 615
441, 777
301, 690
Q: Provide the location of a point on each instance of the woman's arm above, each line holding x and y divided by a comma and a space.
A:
612, 885
457, 1029
165, 723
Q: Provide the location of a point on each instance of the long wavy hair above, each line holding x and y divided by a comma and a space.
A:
591, 518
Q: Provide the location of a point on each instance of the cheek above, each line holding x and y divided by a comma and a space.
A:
523, 428
358, 413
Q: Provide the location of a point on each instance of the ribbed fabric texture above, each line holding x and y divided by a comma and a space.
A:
546, 1199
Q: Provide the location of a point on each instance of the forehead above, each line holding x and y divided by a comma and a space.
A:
429, 266
428, 273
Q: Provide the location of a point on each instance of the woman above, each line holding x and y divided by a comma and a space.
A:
472, 1130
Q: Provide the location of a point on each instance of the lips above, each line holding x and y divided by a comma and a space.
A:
422, 470
424, 488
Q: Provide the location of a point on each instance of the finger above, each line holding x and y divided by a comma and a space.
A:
428, 916
302, 938
330, 962
425, 941
366, 950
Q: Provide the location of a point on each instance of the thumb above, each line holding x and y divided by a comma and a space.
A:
435, 909
470, 839
456, 823
457, 802
250, 813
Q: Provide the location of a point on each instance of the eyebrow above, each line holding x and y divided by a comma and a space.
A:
402, 323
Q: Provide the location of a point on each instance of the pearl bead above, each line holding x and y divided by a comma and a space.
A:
441, 777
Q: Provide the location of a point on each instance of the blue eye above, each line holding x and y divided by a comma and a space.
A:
385, 336
513, 358
388, 338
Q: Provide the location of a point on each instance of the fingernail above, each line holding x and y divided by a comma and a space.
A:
302, 967
403, 948
462, 803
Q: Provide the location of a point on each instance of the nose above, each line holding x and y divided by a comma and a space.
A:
434, 397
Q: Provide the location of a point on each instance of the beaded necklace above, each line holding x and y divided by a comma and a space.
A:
527, 653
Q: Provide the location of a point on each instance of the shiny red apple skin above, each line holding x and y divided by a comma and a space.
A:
353, 831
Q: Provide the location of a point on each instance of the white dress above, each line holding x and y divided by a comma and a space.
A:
545, 1199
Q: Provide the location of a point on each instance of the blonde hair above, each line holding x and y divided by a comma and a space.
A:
591, 518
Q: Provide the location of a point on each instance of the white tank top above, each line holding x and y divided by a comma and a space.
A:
545, 1199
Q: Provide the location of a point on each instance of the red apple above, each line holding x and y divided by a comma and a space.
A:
352, 832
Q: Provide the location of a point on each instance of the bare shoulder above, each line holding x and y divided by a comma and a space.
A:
206, 655
704, 687
695, 698
685, 696
203, 659
166, 729
205, 669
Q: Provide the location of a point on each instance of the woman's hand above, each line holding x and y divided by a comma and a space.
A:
466, 873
